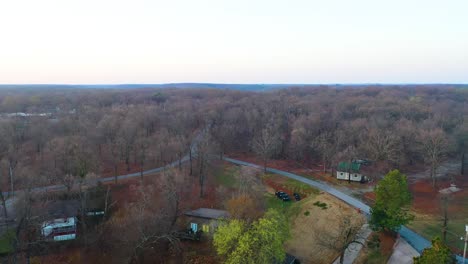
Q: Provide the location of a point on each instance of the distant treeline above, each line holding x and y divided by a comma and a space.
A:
392, 125
227, 86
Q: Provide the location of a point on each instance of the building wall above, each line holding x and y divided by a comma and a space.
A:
342, 175
208, 226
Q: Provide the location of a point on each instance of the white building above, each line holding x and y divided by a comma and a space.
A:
59, 229
347, 171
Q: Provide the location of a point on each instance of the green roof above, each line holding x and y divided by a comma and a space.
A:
346, 166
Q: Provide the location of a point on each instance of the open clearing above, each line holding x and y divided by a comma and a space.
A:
311, 221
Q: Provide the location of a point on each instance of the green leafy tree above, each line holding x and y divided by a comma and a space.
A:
260, 242
227, 236
438, 253
393, 198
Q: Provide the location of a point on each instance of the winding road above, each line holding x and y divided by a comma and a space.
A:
413, 238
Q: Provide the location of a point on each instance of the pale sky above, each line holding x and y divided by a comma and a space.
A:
236, 41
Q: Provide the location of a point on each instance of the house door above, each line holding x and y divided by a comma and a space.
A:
194, 227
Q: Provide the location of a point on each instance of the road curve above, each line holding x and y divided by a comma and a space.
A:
61, 187
413, 238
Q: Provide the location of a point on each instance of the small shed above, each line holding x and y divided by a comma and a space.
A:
350, 171
205, 219
61, 224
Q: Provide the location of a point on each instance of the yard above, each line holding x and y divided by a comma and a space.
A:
428, 211
317, 213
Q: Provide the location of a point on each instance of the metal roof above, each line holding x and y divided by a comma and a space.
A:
208, 213
64, 208
346, 166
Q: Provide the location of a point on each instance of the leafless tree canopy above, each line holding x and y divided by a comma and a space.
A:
63, 137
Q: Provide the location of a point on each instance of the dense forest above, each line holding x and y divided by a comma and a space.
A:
60, 136
147, 128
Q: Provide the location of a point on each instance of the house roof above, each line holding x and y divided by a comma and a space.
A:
290, 259
346, 166
65, 208
208, 213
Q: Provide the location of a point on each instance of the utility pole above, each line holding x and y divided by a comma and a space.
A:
444, 229
466, 242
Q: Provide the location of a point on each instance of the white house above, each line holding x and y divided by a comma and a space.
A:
347, 171
59, 229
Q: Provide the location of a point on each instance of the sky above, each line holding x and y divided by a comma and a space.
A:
235, 41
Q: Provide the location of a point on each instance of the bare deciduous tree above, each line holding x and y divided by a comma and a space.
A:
344, 235
434, 146
266, 143
326, 144
205, 148
141, 227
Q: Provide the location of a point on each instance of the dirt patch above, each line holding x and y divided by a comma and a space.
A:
277, 184
380, 254
427, 200
387, 240
310, 223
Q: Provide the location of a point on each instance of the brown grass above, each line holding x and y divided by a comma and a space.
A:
305, 229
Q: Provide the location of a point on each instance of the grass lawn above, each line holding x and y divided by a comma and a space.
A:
430, 227
227, 177
292, 208
300, 187
6, 242
273, 202
373, 256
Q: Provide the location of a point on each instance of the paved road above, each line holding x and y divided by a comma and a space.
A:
403, 253
414, 239
61, 187
352, 251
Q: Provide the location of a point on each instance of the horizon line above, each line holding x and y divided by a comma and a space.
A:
227, 83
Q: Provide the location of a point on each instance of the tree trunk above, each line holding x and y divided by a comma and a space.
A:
176, 210
324, 165
11, 171
201, 178
127, 162
115, 172
265, 166
180, 161
106, 201
191, 163
444, 228
141, 170
5, 213
82, 214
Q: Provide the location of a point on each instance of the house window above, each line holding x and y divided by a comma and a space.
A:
341, 174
